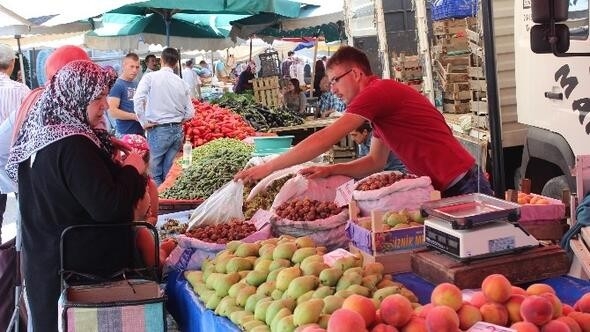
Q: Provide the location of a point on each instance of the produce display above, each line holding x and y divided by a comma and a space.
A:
396, 219
280, 284
307, 209
382, 180
211, 122
210, 171
531, 199
264, 199
223, 233
257, 115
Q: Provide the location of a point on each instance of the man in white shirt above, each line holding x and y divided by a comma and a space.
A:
190, 77
12, 94
162, 103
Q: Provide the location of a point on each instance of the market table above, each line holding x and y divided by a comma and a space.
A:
303, 130
191, 315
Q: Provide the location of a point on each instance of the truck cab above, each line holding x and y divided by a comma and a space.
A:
553, 99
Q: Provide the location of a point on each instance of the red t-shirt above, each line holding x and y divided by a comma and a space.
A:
414, 129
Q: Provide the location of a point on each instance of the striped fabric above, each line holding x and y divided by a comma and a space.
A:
147, 317
12, 94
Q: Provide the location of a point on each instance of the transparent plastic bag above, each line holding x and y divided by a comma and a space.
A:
222, 206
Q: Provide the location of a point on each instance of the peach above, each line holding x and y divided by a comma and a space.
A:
363, 306
478, 299
519, 290
555, 326
496, 288
566, 309
396, 310
344, 320
442, 319
423, 310
448, 295
536, 309
384, 328
524, 327
555, 302
583, 303
583, 319
538, 289
310, 328
494, 313
513, 307
571, 323
416, 324
468, 316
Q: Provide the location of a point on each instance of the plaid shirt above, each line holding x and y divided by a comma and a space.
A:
329, 101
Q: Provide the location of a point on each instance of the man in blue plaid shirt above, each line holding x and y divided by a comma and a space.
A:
329, 102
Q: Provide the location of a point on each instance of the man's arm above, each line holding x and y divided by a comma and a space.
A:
140, 99
308, 149
116, 113
189, 110
359, 168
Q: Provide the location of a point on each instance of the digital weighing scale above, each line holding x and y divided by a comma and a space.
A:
474, 226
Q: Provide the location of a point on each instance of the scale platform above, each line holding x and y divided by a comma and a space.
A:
490, 239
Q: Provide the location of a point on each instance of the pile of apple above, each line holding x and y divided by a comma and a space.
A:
397, 219
536, 309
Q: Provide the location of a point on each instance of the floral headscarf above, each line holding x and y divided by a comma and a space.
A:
61, 112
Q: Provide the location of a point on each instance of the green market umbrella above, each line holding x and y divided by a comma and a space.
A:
187, 31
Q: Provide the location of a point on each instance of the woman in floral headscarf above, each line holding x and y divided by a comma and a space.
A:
67, 176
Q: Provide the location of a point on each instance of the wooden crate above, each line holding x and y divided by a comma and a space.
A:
527, 266
393, 262
456, 106
453, 26
478, 107
452, 43
580, 267
267, 90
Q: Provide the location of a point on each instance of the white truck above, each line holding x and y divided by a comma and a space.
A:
540, 124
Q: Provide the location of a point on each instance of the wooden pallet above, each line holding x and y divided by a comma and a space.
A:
267, 90
479, 107
527, 266
456, 106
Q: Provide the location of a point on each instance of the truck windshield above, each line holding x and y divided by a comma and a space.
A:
578, 19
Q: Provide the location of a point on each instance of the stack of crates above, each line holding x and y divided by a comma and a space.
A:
267, 90
407, 69
453, 61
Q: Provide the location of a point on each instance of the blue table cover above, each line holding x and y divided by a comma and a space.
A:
192, 316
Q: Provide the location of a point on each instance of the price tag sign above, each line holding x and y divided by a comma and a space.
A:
344, 193
261, 218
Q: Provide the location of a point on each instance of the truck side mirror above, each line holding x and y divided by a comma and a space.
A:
549, 11
543, 40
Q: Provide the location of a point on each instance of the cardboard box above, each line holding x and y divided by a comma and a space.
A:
393, 262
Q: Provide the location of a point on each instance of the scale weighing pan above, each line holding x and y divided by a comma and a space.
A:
467, 211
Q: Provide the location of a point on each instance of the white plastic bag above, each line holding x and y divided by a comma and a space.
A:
267, 181
321, 189
403, 194
222, 206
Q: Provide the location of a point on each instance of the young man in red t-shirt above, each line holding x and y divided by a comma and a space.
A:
404, 121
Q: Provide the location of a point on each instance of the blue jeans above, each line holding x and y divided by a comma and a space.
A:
470, 183
164, 142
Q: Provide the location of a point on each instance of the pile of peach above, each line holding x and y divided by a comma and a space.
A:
531, 199
536, 309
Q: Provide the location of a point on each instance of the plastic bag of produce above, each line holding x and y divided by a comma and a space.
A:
326, 224
391, 190
267, 181
223, 205
321, 189
190, 253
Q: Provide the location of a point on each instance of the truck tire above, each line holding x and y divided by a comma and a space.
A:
555, 187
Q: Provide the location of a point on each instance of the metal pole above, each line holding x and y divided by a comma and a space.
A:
20, 59
498, 177
424, 48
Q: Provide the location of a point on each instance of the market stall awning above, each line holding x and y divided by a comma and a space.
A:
325, 20
187, 31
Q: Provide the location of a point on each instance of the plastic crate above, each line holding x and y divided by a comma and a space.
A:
445, 9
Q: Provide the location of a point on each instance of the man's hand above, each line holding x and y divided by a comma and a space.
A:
315, 172
254, 173
149, 125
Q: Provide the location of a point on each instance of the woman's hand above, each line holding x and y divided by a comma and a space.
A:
135, 160
314, 172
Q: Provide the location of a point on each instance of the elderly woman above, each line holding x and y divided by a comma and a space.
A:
67, 176
293, 98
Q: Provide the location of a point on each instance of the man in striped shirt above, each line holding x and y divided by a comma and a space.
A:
12, 94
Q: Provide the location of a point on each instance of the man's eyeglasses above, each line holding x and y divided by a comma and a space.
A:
337, 78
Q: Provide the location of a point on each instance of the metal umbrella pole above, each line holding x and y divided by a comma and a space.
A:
18, 286
20, 59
